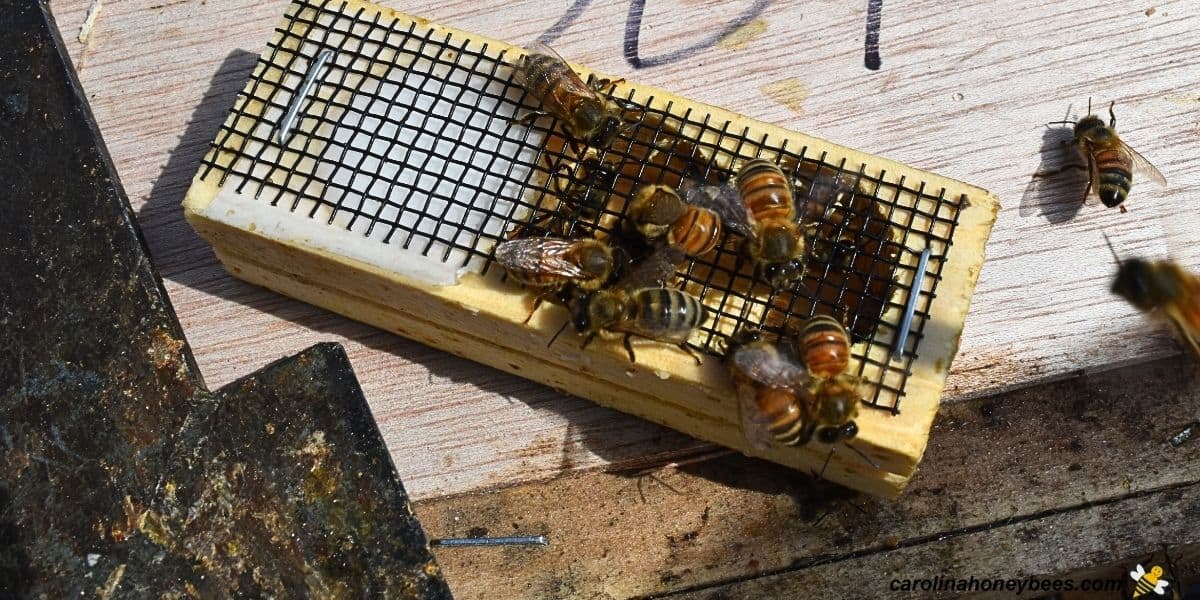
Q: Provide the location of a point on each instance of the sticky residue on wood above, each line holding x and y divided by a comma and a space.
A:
742, 36
790, 92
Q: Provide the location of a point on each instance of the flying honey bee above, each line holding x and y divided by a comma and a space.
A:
657, 211
780, 399
1111, 163
555, 264
638, 305
586, 116
1163, 288
760, 206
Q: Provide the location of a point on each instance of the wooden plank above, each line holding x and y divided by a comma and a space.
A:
1031, 463
1039, 555
962, 91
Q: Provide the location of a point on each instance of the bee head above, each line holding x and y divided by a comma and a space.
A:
1144, 286
1092, 129
839, 400
654, 209
844, 432
783, 275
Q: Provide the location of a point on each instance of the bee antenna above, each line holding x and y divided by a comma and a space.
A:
1089, 105
1111, 248
558, 333
863, 455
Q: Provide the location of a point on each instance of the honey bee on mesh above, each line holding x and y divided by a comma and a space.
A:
657, 212
1111, 163
1165, 289
638, 305
760, 206
780, 397
588, 117
554, 265
581, 200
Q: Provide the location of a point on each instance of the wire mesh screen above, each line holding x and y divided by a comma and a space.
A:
412, 137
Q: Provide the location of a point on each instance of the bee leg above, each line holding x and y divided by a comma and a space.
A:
629, 347
587, 340
529, 117
537, 302
825, 465
1053, 172
1122, 207
692, 351
606, 86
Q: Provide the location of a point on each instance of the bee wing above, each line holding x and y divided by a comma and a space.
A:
572, 82
724, 199
1192, 338
760, 366
656, 270
1144, 167
546, 255
755, 424
1137, 573
817, 192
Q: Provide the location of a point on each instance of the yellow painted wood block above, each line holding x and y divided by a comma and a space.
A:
407, 165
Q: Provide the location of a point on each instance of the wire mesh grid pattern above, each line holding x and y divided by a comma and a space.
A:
411, 138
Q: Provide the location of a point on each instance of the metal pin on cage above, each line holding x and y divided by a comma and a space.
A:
910, 308
289, 118
525, 540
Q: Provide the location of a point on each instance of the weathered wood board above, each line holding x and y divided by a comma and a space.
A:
963, 91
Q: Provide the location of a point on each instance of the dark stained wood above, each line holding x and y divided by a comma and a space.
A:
1041, 481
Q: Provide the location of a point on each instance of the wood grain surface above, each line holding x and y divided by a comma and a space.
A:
1045, 481
964, 91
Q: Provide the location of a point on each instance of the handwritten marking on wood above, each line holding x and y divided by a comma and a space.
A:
874, 19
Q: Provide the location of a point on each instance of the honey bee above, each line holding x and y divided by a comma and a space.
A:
824, 348
780, 399
638, 305
760, 206
772, 390
1163, 288
589, 186
657, 211
1111, 163
586, 116
554, 264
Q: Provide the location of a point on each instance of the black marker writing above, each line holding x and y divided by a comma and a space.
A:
633, 30
556, 30
874, 18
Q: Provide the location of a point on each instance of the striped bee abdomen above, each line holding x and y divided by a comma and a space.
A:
697, 231
1115, 171
765, 191
666, 314
824, 346
784, 419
